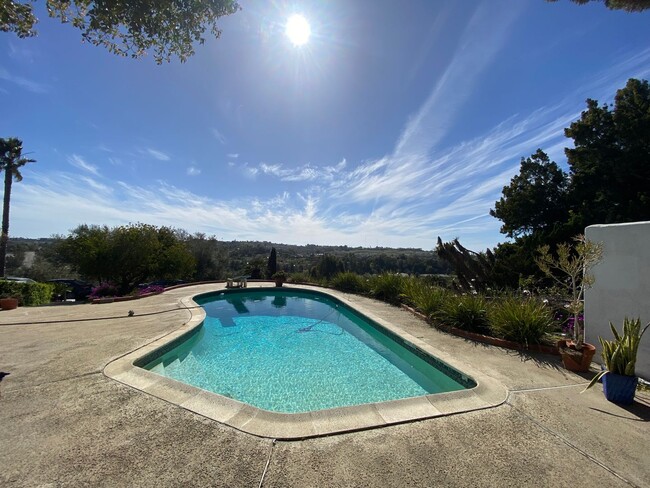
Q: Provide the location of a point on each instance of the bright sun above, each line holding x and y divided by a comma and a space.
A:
297, 30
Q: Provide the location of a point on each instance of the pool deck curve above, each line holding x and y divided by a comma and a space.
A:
290, 426
69, 417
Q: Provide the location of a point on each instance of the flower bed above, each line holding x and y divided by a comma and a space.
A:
495, 341
101, 294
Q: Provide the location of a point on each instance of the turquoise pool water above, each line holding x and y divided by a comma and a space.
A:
298, 351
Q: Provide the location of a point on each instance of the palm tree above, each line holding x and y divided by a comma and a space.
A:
11, 159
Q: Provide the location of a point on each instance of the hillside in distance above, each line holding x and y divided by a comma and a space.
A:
239, 257
361, 260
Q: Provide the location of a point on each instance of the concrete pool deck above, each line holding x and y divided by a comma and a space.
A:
63, 422
247, 418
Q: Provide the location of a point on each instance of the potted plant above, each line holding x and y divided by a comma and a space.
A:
574, 264
279, 277
8, 302
619, 355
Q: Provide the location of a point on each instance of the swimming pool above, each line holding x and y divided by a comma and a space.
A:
293, 351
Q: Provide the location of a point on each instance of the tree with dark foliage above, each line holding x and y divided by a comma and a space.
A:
128, 28
535, 198
11, 160
610, 161
272, 265
627, 5
127, 255
608, 180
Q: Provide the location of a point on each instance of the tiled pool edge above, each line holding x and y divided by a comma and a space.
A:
487, 394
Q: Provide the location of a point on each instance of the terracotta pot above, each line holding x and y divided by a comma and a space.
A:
575, 360
8, 303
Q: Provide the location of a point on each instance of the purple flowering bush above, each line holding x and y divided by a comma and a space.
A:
104, 290
569, 326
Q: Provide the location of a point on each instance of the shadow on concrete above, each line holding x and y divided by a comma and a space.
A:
540, 360
2, 375
638, 408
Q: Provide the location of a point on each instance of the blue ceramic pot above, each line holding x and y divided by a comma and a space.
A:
619, 388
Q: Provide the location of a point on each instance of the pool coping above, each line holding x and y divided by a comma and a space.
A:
294, 426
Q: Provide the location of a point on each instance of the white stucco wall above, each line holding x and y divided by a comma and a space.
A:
622, 286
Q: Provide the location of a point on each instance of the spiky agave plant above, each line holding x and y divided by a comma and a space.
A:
620, 354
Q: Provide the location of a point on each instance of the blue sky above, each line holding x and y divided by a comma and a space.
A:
398, 122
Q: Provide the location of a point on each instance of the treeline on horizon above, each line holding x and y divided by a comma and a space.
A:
608, 181
216, 259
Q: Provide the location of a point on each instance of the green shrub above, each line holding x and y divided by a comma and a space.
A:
523, 320
421, 295
28, 294
467, 312
301, 278
411, 288
350, 283
387, 287
431, 300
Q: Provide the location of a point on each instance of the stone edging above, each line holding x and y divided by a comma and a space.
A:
127, 298
487, 394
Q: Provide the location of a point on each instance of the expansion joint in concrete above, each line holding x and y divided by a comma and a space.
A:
562, 438
268, 462
45, 383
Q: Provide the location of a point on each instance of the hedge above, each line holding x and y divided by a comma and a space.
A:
28, 294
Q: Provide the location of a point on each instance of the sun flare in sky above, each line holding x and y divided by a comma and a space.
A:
298, 30
352, 125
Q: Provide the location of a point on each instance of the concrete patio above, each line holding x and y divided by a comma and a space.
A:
63, 422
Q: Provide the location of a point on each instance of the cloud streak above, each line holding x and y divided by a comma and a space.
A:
219, 136
26, 84
156, 154
78, 162
306, 172
482, 39
424, 187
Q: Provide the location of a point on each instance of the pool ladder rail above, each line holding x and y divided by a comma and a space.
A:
238, 282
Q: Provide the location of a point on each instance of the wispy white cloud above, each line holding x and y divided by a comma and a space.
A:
193, 171
482, 39
233, 156
20, 53
29, 85
79, 162
250, 171
603, 85
219, 136
305, 172
435, 32
423, 188
155, 153
97, 186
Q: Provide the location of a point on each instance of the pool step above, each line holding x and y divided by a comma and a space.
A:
174, 363
187, 359
158, 368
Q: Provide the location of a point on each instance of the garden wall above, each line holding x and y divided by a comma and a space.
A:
622, 286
